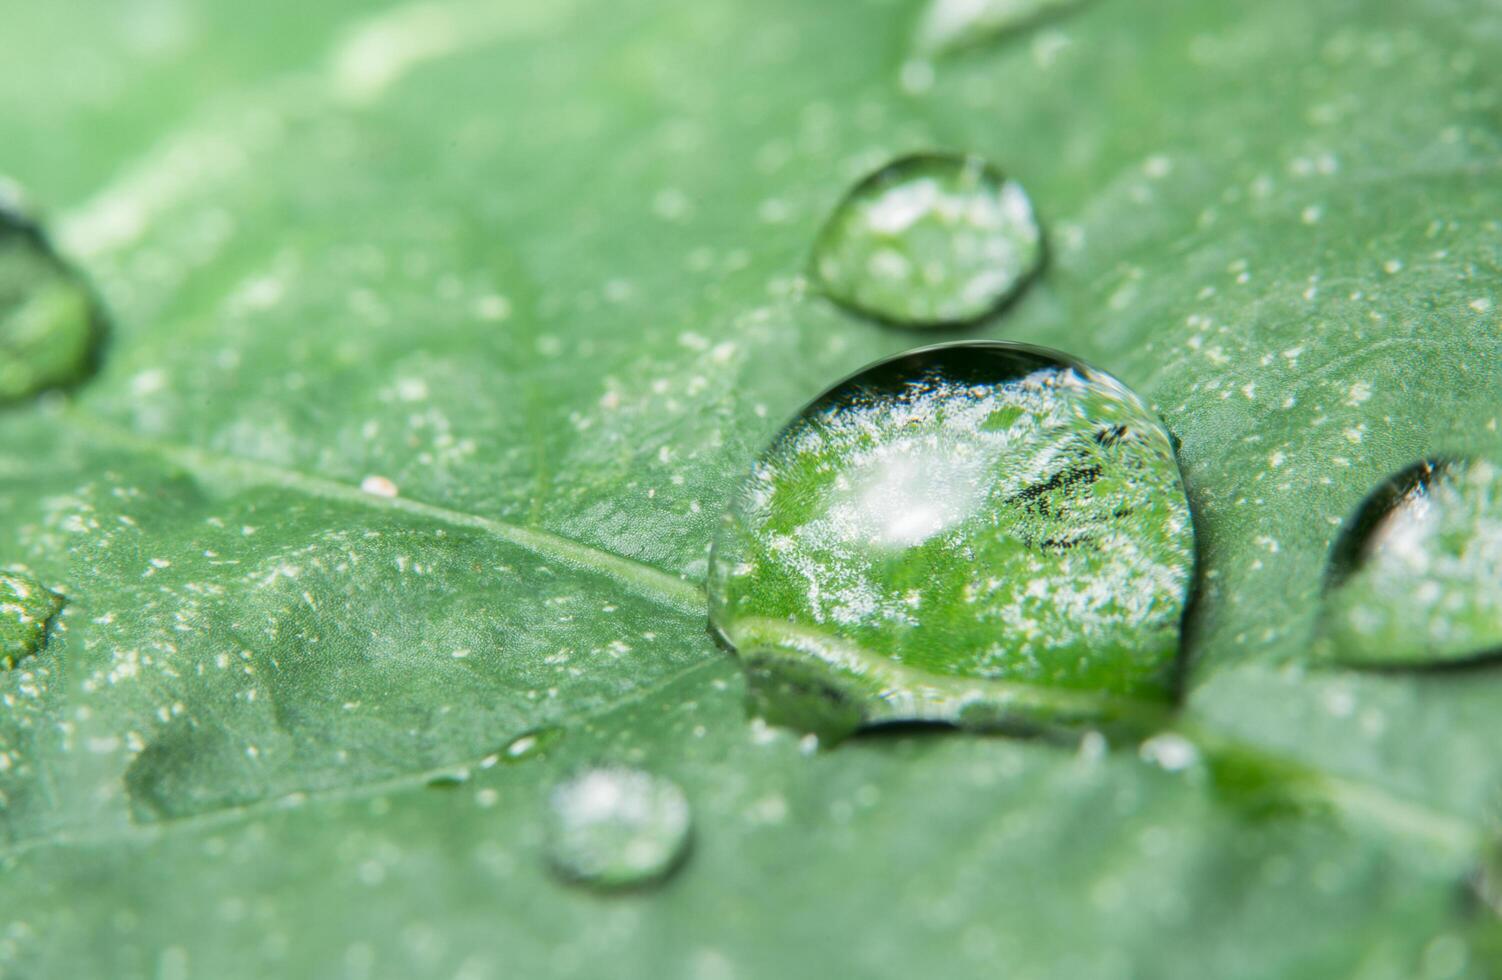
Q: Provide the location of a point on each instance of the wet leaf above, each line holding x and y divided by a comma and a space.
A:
441, 335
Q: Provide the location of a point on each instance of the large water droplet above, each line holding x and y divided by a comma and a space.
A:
948, 25
50, 326
1413, 576
616, 827
929, 240
27, 607
985, 533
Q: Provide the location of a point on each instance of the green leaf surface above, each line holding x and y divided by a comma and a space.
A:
440, 335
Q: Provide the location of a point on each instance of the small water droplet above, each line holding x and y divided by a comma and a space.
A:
985, 533
1486, 881
27, 608
929, 240
616, 827
50, 324
1170, 751
1413, 576
530, 744
917, 76
949, 25
453, 779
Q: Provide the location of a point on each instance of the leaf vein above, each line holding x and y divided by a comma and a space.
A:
230, 815
650, 583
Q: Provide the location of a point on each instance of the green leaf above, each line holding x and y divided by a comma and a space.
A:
535, 269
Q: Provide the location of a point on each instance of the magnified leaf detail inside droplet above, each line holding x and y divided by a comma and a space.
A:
26, 609
1414, 576
976, 533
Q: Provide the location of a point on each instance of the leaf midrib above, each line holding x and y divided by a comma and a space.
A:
641, 579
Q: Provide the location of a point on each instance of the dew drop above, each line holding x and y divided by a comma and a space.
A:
27, 608
616, 827
1486, 882
1413, 575
987, 534
929, 240
530, 744
949, 25
50, 325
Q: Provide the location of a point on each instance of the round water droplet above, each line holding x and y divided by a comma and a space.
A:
615, 827
26, 609
984, 533
929, 240
948, 25
1413, 576
50, 325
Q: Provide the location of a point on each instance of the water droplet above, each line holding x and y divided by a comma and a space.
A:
530, 744
615, 827
50, 325
988, 534
1486, 882
929, 240
948, 25
27, 608
1413, 576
